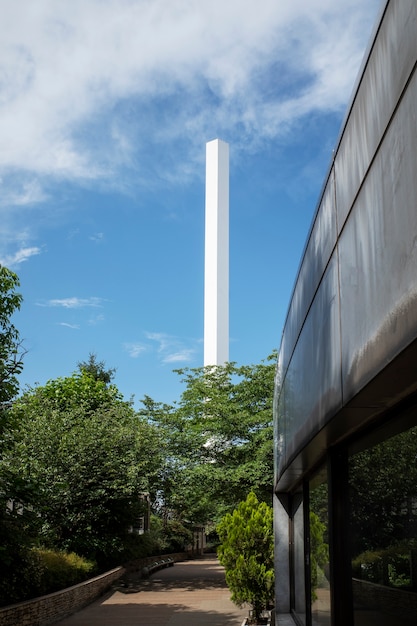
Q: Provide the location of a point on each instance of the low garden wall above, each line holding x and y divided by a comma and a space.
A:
48, 609
386, 599
55, 606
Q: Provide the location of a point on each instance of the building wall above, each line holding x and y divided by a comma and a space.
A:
346, 382
352, 311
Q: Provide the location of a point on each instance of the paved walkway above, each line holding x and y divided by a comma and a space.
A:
192, 593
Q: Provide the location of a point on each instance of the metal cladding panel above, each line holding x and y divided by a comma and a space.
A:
385, 77
378, 255
279, 421
340, 348
311, 390
317, 254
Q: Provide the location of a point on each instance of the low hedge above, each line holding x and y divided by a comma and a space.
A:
39, 571
62, 569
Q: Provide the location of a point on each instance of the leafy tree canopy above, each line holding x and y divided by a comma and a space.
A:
14, 490
10, 347
96, 369
217, 440
90, 457
80, 390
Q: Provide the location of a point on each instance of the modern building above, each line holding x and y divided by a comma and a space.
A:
216, 268
345, 402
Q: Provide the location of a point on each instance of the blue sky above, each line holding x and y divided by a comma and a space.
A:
105, 110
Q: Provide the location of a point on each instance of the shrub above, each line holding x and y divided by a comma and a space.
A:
21, 576
61, 569
170, 535
138, 547
36, 571
176, 536
246, 551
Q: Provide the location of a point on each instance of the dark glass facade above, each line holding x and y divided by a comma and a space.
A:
345, 405
318, 549
354, 531
383, 527
298, 571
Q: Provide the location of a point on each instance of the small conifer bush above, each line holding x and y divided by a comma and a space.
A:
247, 554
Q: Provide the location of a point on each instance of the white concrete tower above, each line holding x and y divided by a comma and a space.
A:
216, 272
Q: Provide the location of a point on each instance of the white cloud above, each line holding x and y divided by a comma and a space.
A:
26, 192
172, 349
134, 349
97, 319
72, 326
97, 237
164, 341
73, 303
183, 356
23, 254
83, 84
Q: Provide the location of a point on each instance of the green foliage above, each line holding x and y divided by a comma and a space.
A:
36, 572
75, 458
10, 347
21, 572
390, 566
89, 456
61, 569
176, 536
319, 551
17, 566
383, 487
80, 391
96, 369
246, 552
139, 546
217, 440
169, 535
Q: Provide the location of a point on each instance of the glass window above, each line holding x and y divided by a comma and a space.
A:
383, 524
299, 598
319, 550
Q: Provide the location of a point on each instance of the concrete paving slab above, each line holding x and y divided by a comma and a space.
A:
192, 593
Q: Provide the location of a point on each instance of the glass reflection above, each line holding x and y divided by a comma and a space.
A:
383, 500
319, 551
298, 564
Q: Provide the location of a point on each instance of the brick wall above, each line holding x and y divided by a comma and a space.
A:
48, 609
55, 606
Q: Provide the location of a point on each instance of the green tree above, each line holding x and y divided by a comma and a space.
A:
217, 440
15, 562
11, 362
96, 369
89, 455
82, 390
247, 554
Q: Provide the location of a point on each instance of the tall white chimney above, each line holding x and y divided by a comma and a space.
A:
216, 273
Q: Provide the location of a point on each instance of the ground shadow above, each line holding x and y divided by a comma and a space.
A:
189, 577
134, 584
100, 614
